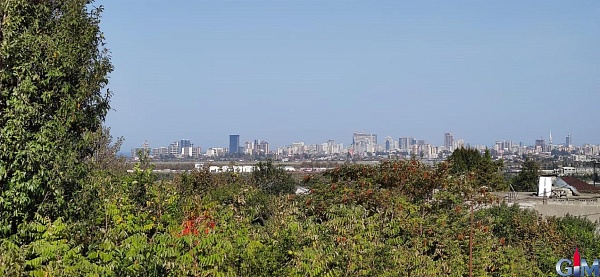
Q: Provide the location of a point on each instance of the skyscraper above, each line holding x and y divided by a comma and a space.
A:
183, 144
540, 144
448, 141
234, 144
406, 143
569, 141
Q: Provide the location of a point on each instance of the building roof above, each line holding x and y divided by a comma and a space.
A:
581, 186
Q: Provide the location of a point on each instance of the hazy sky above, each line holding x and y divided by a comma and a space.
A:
285, 71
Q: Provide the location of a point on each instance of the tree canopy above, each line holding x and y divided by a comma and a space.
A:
480, 167
53, 71
527, 179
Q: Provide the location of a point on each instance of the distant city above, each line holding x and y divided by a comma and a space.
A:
364, 146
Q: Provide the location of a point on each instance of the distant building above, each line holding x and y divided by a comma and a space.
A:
404, 144
260, 148
184, 143
196, 152
234, 144
364, 143
389, 144
297, 148
540, 145
186, 152
160, 151
449, 141
144, 149
216, 152
249, 146
174, 148
568, 141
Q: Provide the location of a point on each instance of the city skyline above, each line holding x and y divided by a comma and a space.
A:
360, 142
314, 70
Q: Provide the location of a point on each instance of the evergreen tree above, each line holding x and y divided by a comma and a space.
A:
53, 71
527, 179
464, 160
486, 171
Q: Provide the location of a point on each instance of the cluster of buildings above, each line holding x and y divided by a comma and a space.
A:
327, 149
177, 149
364, 146
185, 149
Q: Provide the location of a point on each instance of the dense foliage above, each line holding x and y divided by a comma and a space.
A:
399, 218
52, 72
487, 172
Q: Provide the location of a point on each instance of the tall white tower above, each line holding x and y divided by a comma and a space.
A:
550, 141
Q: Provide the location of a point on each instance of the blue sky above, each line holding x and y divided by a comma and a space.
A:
285, 71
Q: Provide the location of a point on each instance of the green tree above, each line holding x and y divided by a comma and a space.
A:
53, 71
464, 160
489, 173
527, 179
486, 171
272, 179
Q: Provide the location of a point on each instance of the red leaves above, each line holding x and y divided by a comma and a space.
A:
340, 239
191, 226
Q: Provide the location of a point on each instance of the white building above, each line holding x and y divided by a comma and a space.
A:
216, 151
364, 143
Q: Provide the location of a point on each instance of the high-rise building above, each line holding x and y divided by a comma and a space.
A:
568, 141
406, 143
260, 147
264, 147
185, 146
364, 143
234, 144
540, 145
144, 150
389, 144
186, 151
297, 148
184, 143
403, 143
196, 152
160, 151
174, 148
248, 147
448, 141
